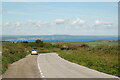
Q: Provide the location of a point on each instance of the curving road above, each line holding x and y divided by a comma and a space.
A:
52, 66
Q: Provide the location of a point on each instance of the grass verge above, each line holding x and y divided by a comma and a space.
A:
12, 53
101, 58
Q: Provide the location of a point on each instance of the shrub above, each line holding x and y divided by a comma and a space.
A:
39, 43
84, 45
12, 53
25, 42
103, 58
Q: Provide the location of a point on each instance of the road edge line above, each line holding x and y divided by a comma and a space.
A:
112, 76
40, 71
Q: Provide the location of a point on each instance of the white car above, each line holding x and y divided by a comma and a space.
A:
34, 52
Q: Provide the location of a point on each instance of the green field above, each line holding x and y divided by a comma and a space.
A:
96, 43
104, 59
98, 55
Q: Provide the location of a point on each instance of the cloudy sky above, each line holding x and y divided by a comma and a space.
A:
53, 18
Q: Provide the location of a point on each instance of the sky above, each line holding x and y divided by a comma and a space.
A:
60, 0
59, 18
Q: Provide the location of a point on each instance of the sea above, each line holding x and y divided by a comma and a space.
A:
65, 38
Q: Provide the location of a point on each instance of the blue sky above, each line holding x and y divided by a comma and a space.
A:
51, 18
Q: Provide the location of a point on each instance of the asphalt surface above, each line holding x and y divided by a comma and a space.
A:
52, 66
24, 68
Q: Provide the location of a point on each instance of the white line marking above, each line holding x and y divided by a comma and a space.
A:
40, 71
85, 67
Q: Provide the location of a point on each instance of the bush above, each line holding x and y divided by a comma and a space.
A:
103, 58
39, 43
84, 45
68, 47
12, 53
25, 42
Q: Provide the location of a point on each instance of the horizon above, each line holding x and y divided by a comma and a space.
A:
65, 38
58, 35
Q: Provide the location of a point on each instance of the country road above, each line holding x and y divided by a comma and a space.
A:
53, 66
24, 68
50, 65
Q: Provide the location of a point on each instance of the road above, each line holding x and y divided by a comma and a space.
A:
50, 65
24, 68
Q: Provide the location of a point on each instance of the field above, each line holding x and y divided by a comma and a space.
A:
100, 58
98, 55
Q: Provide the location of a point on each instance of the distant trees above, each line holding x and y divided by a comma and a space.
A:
25, 41
39, 43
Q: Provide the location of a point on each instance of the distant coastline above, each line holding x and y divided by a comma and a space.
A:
65, 38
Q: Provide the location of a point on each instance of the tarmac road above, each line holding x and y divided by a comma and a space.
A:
52, 66
24, 68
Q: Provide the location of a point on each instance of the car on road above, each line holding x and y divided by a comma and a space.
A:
34, 52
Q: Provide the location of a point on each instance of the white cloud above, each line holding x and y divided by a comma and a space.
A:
7, 24
1, 10
17, 24
37, 23
42, 24
60, 21
102, 23
12, 24
98, 22
78, 21
39, 27
108, 24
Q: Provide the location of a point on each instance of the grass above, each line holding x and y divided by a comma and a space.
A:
12, 53
104, 42
98, 55
102, 58
0, 59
